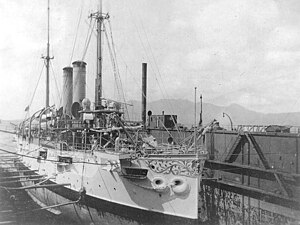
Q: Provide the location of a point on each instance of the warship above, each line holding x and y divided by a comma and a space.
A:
89, 163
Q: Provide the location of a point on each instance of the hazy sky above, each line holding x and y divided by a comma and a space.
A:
235, 51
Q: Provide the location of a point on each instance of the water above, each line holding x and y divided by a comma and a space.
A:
217, 207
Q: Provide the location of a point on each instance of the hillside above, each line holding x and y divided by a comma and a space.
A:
239, 115
184, 109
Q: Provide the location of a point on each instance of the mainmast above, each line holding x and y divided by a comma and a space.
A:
100, 17
47, 58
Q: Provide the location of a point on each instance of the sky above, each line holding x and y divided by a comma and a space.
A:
244, 52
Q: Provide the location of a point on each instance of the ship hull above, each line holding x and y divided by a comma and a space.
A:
107, 197
93, 210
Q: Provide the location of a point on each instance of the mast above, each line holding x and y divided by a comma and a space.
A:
195, 120
47, 58
144, 92
200, 121
99, 17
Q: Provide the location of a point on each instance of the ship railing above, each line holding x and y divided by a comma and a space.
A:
89, 147
251, 128
68, 123
267, 128
172, 149
168, 148
95, 147
64, 146
81, 147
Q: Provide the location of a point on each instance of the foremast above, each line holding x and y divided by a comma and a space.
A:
47, 58
99, 17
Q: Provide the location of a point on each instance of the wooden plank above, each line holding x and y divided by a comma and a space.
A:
18, 177
252, 140
39, 186
247, 170
17, 181
17, 171
234, 149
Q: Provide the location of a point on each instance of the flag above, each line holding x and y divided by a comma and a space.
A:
27, 108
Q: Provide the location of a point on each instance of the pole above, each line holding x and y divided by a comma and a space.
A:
100, 17
200, 122
48, 58
195, 121
98, 83
231, 125
144, 92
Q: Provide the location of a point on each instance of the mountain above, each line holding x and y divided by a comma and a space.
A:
239, 115
184, 110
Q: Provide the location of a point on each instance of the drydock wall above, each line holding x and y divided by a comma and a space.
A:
258, 161
280, 150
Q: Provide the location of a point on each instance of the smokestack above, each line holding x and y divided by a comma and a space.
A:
79, 74
67, 90
144, 92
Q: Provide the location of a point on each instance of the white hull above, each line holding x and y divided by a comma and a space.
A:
106, 187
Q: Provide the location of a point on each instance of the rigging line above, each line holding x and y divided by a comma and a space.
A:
112, 59
87, 36
36, 85
113, 65
37, 63
52, 95
84, 157
76, 34
88, 31
54, 76
180, 134
166, 129
115, 55
133, 77
116, 69
88, 40
144, 48
159, 73
94, 32
156, 66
